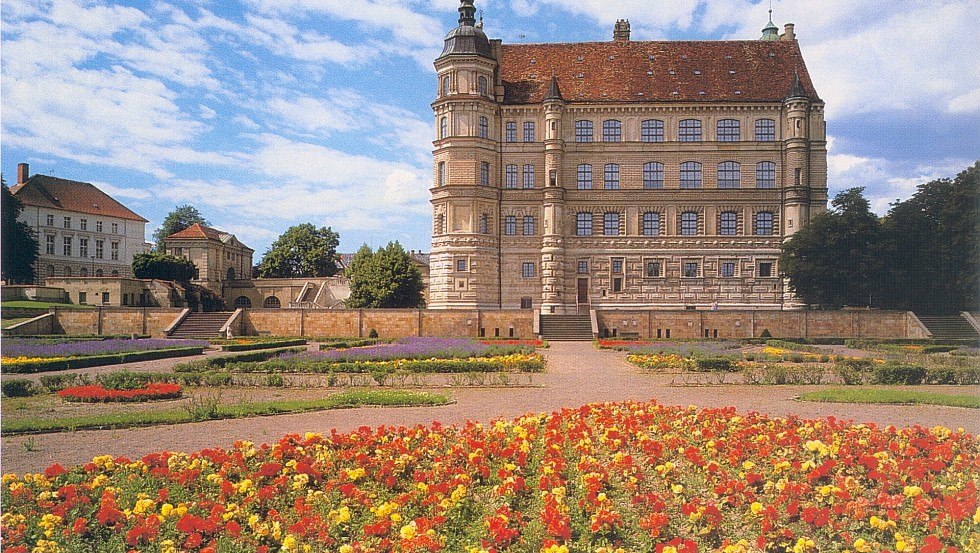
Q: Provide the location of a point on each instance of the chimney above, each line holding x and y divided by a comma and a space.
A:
23, 173
788, 33
621, 33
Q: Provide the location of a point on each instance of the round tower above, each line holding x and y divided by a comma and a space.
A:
552, 245
464, 264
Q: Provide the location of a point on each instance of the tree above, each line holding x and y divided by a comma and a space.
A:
300, 252
386, 278
19, 244
163, 267
931, 247
833, 261
177, 220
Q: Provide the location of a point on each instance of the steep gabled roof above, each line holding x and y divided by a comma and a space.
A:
198, 231
69, 195
654, 71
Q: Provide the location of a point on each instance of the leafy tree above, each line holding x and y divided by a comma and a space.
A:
302, 251
386, 278
931, 247
19, 244
833, 261
162, 266
177, 220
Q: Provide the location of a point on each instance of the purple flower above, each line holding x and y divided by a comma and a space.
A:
686, 349
13, 347
406, 348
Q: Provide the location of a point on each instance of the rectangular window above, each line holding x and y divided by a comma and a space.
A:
727, 269
765, 130
690, 269
114, 251
484, 224
99, 249
527, 269
651, 224
528, 176
442, 173
178, 252
510, 131
611, 176
583, 267
484, 173
115, 228
66, 245
653, 175
583, 131
82, 297
50, 220
689, 130
610, 224
67, 222
98, 226
83, 247
652, 130
584, 179
765, 269
83, 224
49, 244
690, 174
528, 225
510, 176
765, 174
728, 223
617, 266
583, 224
654, 269
525, 303
105, 297
689, 223
529, 131
510, 225
461, 264
617, 284
612, 131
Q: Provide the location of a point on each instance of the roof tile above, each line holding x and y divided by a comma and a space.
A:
69, 195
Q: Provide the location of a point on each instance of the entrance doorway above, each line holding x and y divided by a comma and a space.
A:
583, 291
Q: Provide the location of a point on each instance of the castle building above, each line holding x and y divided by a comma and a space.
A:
218, 256
623, 174
81, 230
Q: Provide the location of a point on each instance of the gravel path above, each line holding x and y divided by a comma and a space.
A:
577, 374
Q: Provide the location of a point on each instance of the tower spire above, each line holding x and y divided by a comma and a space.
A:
770, 31
467, 13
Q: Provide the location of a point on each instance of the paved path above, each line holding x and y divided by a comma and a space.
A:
577, 374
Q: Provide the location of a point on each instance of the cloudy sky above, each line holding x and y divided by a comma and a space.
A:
268, 113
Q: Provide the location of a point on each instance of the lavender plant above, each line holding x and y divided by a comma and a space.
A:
12, 347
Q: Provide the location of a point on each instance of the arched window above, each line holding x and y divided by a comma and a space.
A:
689, 130
583, 224
583, 131
510, 176
652, 130
115, 273
483, 127
729, 130
765, 174
610, 224
612, 131
230, 273
611, 176
98, 272
482, 85
765, 130
529, 176
729, 174
83, 272
67, 271
242, 302
728, 223
653, 175
444, 127
690, 174
484, 173
445, 85
651, 224
271, 302
689, 223
584, 176
763, 223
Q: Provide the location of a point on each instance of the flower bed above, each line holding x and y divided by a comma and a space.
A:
33, 365
512, 342
604, 477
661, 362
98, 394
12, 347
314, 363
251, 345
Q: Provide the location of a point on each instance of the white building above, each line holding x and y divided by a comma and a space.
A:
81, 231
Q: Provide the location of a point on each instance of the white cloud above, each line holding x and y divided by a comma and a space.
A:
122, 191
964, 103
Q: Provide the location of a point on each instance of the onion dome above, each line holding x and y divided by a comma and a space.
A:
469, 38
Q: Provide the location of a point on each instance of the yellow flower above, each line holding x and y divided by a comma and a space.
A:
861, 545
408, 531
346, 548
912, 491
803, 545
756, 507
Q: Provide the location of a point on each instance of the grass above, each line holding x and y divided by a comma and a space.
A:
892, 397
7, 323
196, 412
42, 304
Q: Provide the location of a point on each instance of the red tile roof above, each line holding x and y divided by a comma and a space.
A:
197, 230
655, 71
70, 195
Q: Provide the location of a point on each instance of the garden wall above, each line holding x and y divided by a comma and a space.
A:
114, 320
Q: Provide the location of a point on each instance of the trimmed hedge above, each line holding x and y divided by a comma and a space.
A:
351, 343
860, 371
99, 360
865, 343
17, 387
65, 339
272, 344
219, 362
939, 349
412, 366
910, 375
715, 364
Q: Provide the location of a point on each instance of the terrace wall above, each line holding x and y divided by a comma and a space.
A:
114, 321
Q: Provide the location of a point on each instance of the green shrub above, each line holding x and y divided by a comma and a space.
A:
953, 375
939, 349
17, 387
265, 344
382, 374
204, 365
57, 382
898, 374
373, 333
124, 380
715, 364
792, 345
99, 360
775, 374
852, 371
275, 381
350, 343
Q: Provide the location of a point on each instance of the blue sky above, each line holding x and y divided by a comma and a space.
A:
269, 113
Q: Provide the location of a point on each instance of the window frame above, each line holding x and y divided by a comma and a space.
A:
580, 171
527, 225
612, 130
760, 223
728, 130
610, 176
660, 267
728, 227
66, 246
584, 131
725, 263
691, 175
765, 130
652, 226
689, 130
510, 225
510, 131
510, 176
583, 267
483, 127
584, 223
686, 222
765, 175
527, 269
462, 265
527, 176
443, 127
483, 85
652, 130
729, 175
651, 171
610, 223
686, 265
529, 133
484, 173
771, 263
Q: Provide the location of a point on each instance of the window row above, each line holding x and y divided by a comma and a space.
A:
66, 222
690, 175
82, 272
482, 86
689, 223
67, 247
689, 268
652, 130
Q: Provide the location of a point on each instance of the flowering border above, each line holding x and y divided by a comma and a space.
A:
98, 394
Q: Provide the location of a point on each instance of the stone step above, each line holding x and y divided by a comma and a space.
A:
953, 326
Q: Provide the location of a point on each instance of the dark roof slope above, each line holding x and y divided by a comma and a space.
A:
197, 230
69, 195
654, 71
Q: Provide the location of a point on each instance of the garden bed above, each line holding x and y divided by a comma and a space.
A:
35, 365
94, 393
250, 345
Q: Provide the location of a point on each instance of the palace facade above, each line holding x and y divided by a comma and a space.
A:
623, 174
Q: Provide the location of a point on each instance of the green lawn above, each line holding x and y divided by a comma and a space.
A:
7, 323
899, 397
41, 304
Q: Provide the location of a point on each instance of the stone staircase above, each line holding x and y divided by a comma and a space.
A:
953, 326
566, 327
201, 325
